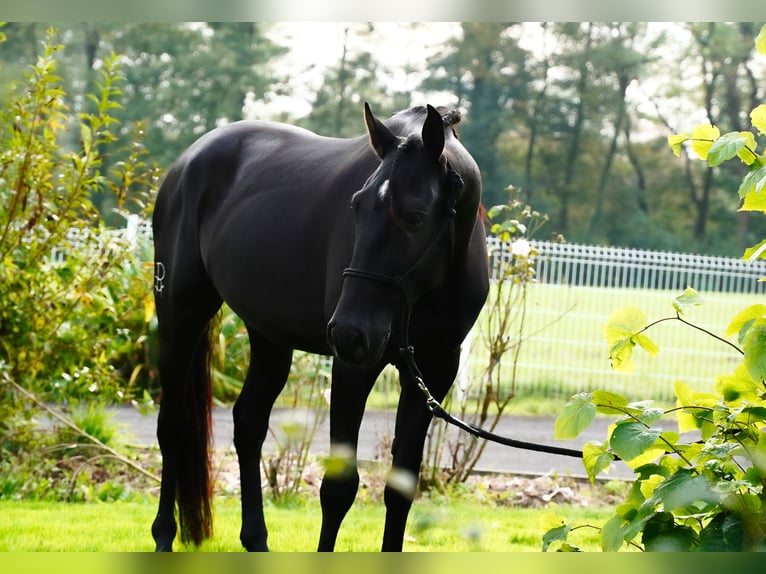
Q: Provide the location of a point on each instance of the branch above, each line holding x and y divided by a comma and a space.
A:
68, 422
685, 322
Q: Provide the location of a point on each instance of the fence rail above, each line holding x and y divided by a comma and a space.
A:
579, 286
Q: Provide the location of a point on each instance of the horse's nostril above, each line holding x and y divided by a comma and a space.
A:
348, 342
357, 341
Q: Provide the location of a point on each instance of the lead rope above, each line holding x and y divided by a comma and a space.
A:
407, 351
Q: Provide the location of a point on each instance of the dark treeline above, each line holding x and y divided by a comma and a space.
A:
575, 114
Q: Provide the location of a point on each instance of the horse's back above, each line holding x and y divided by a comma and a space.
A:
266, 207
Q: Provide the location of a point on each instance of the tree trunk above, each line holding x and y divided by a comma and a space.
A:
573, 153
598, 214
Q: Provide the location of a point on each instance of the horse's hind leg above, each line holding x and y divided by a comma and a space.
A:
266, 376
186, 303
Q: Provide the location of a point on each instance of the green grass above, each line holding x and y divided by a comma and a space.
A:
435, 525
566, 352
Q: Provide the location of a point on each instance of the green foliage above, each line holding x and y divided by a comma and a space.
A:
68, 286
687, 495
75, 317
709, 145
707, 493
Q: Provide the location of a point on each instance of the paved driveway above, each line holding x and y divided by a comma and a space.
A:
377, 427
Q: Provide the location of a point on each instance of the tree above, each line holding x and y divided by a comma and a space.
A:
721, 53
486, 70
357, 77
619, 59
184, 80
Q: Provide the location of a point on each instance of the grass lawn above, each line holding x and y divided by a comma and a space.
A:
437, 524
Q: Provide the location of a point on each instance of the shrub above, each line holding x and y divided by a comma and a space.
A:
67, 284
75, 312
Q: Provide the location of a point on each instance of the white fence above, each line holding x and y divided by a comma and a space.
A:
136, 231
579, 286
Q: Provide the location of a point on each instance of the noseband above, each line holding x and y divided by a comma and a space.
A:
454, 183
399, 282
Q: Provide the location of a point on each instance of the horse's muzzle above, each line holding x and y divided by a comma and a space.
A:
352, 344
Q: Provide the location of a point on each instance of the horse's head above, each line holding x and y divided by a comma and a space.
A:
404, 237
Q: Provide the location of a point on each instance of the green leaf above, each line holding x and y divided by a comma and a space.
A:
725, 533
682, 489
624, 322
648, 414
557, 530
737, 387
760, 40
751, 415
689, 298
496, 210
620, 354
621, 331
609, 403
86, 136
662, 534
649, 456
575, 417
756, 251
754, 347
744, 319
730, 145
647, 344
753, 202
694, 419
629, 440
748, 153
702, 139
649, 483
758, 119
755, 179
613, 534
684, 393
596, 458
676, 141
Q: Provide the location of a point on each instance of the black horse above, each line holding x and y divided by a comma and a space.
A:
349, 247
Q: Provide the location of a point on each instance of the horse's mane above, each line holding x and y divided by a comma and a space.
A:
450, 116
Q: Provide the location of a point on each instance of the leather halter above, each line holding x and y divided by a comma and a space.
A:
454, 183
399, 281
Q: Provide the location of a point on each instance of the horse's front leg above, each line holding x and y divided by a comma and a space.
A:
412, 420
350, 388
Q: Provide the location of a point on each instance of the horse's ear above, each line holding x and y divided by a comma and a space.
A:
381, 138
433, 133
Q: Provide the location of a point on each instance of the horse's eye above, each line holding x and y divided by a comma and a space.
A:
414, 219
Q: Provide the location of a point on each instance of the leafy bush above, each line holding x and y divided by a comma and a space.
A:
69, 287
75, 297
706, 494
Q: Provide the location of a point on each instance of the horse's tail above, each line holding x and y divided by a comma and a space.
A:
194, 477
